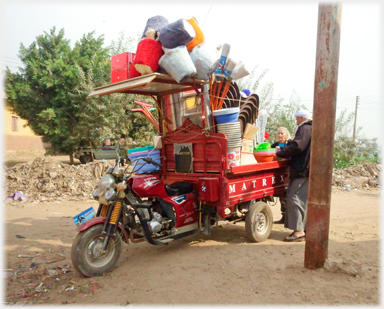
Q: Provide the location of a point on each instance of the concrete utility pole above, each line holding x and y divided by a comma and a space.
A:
323, 130
354, 126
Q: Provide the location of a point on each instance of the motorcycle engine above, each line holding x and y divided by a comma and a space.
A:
155, 224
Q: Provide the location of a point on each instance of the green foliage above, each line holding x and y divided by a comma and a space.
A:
346, 151
279, 115
124, 44
51, 93
282, 115
43, 92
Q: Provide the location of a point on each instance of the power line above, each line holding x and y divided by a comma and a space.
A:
13, 62
368, 91
11, 66
11, 58
207, 15
371, 103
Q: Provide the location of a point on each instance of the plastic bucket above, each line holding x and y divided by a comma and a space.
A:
265, 151
264, 155
233, 156
263, 146
226, 115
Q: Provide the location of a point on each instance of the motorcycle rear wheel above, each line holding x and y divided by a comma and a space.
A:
87, 256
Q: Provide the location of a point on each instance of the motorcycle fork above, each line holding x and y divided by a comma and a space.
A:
102, 210
112, 220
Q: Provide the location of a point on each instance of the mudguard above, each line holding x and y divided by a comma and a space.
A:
97, 220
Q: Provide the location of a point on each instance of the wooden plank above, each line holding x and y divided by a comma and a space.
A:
123, 86
150, 84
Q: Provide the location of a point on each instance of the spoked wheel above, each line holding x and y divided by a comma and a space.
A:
258, 222
88, 256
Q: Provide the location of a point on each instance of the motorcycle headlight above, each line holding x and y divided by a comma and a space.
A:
110, 195
107, 181
105, 191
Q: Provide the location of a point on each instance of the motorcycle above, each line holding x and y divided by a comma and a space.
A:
133, 209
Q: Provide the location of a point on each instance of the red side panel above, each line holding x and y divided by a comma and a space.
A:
148, 186
186, 209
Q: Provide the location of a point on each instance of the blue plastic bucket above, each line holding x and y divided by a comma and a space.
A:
143, 167
226, 115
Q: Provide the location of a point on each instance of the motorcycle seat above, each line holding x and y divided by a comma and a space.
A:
178, 188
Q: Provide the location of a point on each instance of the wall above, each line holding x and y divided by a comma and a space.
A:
23, 138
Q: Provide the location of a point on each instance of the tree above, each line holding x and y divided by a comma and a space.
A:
279, 115
124, 44
51, 93
43, 92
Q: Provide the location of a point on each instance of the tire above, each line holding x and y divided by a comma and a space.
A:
86, 246
258, 222
86, 158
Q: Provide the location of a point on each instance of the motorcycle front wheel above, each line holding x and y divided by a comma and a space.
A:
88, 256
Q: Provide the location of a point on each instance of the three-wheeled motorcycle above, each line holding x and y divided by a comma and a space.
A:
188, 192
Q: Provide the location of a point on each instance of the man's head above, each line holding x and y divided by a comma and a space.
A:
122, 139
301, 116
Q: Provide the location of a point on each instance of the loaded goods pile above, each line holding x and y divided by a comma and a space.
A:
180, 49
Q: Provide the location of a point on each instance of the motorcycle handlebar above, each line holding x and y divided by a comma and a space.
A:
150, 161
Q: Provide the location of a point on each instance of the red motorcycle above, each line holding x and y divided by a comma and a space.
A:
137, 208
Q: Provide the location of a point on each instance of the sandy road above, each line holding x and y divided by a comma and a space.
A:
223, 268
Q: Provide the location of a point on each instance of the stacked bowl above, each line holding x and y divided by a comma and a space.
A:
233, 132
264, 153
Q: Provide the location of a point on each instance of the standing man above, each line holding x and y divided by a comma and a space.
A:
123, 146
299, 150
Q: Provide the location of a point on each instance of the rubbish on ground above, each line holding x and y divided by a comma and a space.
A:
8, 274
17, 196
19, 236
54, 261
34, 179
52, 272
25, 256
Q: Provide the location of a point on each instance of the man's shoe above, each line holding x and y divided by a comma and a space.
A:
281, 221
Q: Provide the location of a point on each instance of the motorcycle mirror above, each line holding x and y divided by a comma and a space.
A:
157, 142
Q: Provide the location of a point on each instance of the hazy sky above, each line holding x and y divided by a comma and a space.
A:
278, 36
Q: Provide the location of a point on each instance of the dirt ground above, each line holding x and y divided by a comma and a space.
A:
224, 268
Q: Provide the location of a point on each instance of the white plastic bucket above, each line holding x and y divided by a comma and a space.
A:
233, 156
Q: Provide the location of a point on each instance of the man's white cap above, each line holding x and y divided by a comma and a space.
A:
303, 113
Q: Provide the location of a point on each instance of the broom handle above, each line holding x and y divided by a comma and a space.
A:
213, 93
224, 94
218, 94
